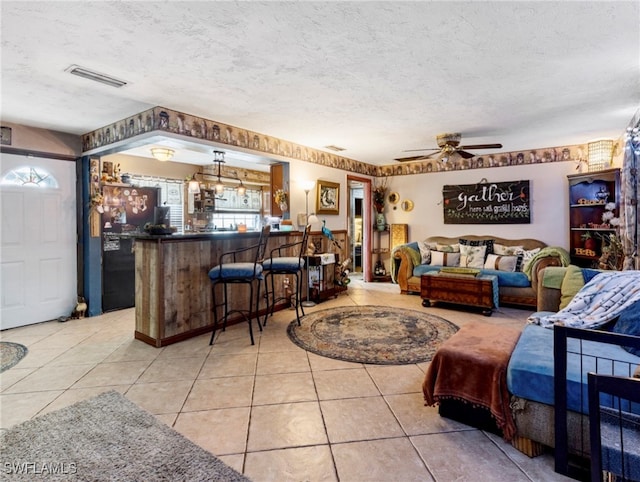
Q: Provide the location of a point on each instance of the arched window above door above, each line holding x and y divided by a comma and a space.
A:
29, 177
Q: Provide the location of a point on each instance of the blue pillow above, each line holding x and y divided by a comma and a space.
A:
629, 324
588, 274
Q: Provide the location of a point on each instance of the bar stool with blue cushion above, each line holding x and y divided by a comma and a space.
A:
242, 266
279, 263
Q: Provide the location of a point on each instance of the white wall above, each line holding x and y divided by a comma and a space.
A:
304, 171
549, 198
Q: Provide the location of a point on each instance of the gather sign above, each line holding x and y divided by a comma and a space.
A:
487, 203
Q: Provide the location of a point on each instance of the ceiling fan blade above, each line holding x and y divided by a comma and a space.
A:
465, 154
414, 158
482, 146
422, 150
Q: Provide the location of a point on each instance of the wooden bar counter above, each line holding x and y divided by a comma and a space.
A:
172, 287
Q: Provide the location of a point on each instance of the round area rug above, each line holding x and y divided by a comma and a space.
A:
10, 354
372, 334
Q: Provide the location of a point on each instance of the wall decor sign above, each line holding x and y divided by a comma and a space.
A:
487, 203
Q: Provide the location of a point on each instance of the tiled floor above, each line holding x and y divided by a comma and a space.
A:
272, 410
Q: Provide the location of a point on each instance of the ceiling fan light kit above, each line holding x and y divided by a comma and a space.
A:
448, 146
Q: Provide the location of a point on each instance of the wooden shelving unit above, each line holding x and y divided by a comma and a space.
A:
589, 195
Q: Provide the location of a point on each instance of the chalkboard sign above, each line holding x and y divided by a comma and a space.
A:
487, 203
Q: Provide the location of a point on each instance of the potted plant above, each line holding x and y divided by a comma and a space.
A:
589, 242
379, 194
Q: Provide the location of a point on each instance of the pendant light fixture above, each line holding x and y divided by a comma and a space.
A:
219, 158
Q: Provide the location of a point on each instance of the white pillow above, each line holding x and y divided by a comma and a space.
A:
472, 256
503, 250
527, 256
439, 258
501, 263
425, 252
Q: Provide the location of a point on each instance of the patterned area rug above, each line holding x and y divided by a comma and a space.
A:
11, 354
378, 335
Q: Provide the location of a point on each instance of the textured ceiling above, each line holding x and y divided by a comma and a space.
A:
373, 77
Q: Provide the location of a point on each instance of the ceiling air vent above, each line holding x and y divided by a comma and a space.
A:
91, 75
335, 148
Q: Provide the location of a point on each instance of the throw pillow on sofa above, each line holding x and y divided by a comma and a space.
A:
527, 256
448, 248
478, 242
502, 263
472, 256
572, 282
439, 258
425, 252
629, 324
504, 250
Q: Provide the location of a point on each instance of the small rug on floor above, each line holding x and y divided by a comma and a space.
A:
105, 438
372, 334
10, 354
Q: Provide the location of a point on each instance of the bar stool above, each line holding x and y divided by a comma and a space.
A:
231, 270
276, 263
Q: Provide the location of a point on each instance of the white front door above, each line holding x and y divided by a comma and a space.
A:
38, 267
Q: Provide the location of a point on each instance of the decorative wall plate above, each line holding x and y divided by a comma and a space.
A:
393, 198
407, 205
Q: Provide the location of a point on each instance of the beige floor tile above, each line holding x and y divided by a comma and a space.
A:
221, 432
51, 377
235, 461
40, 355
320, 363
217, 365
69, 397
344, 384
282, 362
538, 468
289, 465
63, 340
229, 342
476, 457
166, 369
160, 397
18, 408
133, 350
396, 379
226, 392
286, 425
167, 418
9, 377
277, 343
392, 459
108, 374
417, 419
191, 348
83, 354
284, 388
357, 419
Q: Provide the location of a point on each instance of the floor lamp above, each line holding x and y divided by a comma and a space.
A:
307, 186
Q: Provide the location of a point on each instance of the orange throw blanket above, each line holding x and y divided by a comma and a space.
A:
471, 366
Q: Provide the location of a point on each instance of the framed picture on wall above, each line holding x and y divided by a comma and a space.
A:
328, 198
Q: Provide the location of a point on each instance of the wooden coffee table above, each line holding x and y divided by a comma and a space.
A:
466, 290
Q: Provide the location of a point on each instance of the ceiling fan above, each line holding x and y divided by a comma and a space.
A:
448, 145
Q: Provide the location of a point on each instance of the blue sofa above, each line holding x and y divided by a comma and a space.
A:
515, 288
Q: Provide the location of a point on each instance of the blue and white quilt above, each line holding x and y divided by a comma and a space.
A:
599, 301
